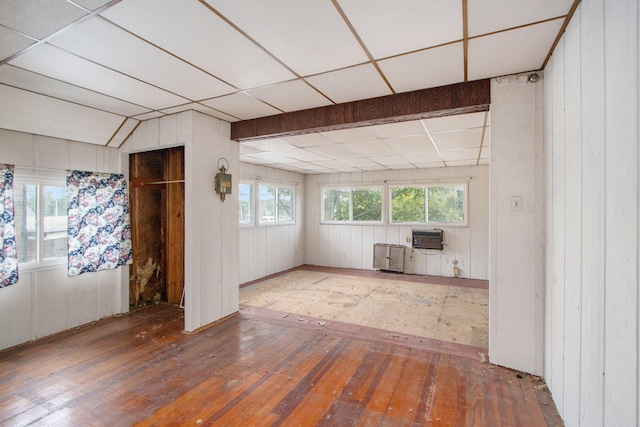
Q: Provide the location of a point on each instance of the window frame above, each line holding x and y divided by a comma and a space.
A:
252, 203
255, 201
40, 179
351, 189
426, 186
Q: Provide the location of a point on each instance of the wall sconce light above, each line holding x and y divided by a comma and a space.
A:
223, 180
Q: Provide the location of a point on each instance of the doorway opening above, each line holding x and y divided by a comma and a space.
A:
157, 227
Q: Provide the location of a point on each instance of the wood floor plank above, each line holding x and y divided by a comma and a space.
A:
141, 369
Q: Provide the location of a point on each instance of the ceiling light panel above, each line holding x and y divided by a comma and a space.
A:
351, 84
486, 16
56, 63
293, 95
29, 112
241, 105
514, 51
106, 44
196, 34
428, 68
387, 28
309, 36
38, 18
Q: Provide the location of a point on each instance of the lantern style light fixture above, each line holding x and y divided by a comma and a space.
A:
223, 179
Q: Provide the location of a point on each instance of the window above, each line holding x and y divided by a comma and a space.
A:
438, 204
245, 196
275, 204
352, 205
41, 220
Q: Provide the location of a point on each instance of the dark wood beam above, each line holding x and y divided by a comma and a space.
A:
448, 100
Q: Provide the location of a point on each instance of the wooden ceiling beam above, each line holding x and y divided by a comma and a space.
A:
460, 98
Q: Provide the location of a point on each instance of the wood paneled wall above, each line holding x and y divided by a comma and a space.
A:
44, 302
351, 246
592, 194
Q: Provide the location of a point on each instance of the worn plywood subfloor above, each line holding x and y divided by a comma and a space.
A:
446, 313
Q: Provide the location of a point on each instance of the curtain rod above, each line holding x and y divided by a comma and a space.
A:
391, 182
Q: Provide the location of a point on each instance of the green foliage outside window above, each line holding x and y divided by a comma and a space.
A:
367, 204
407, 204
446, 204
363, 204
336, 205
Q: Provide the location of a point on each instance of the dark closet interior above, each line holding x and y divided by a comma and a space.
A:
157, 226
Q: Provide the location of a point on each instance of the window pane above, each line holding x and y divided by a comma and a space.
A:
336, 205
267, 204
25, 197
367, 204
55, 221
408, 204
245, 196
446, 203
285, 204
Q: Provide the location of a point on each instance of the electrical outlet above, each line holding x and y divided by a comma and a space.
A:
408, 239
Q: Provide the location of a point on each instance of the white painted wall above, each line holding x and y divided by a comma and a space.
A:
269, 249
351, 246
591, 149
211, 226
47, 301
516, 289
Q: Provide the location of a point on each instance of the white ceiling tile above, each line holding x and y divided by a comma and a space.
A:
350, 135
402, 166
245, 158
303, 155
38, 83
123, 132
335, 151
310, 37
459, 155
374, 147
470, 162
197, 35
29, 112
420, 158
389, 28
241, 105
330, 164
396, 159
38, 18
287, 167
411, 144
289, 96
104, 43
309, 140
271, 156
363, 163
351, 84
92, 4
56, 63
399, 129
455, 122
273, 144
485, 153
439, 164
307, 166
434, 67
512, 51
200, 108
486, 16
458, 139
245, 149
148, 116
12, 42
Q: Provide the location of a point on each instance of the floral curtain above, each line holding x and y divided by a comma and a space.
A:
99, 227
8, 254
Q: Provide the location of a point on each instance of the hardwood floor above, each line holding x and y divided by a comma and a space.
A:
141, 369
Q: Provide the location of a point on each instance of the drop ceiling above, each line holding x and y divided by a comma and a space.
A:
92, 70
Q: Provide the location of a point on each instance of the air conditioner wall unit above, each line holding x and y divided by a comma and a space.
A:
428, 239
